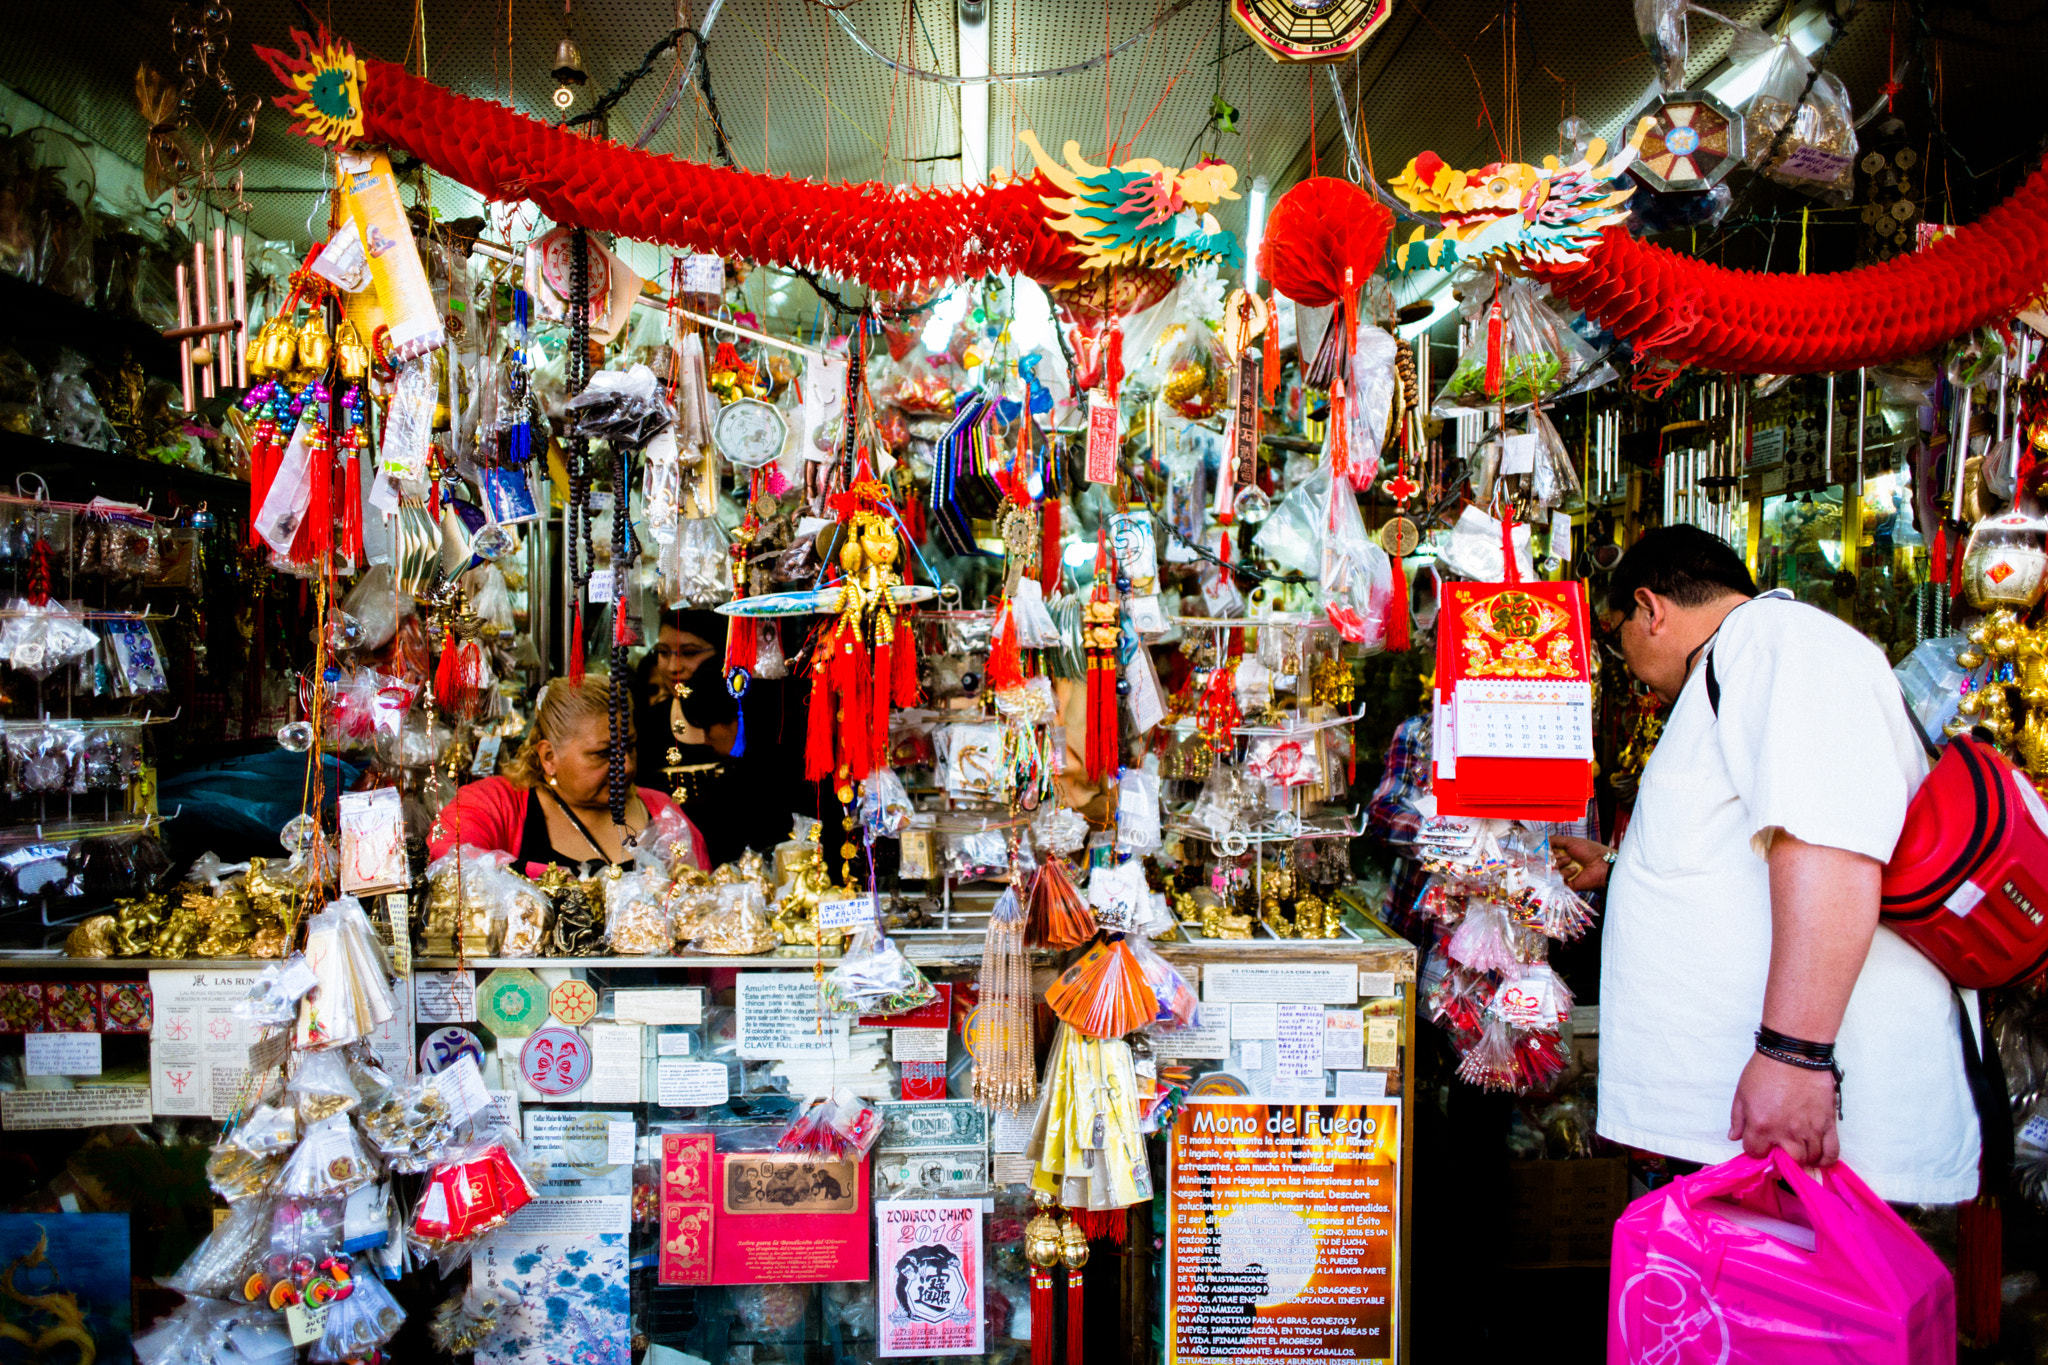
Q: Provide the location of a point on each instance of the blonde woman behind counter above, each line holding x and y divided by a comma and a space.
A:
550, 807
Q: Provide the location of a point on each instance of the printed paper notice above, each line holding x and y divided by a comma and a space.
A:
1208, 1040
198, 1046
23, 1111
911, 1044
930, 1291
677, 1005
444, 997
392, 1039
691, 1085
1361, 1085
1344, 1040
782, 1015
614, 1065
1309, 983
1254, 1019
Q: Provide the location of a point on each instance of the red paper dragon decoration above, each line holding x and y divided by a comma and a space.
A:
895, 237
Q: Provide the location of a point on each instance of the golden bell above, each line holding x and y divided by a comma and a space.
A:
355, 356
316, 347
272, 343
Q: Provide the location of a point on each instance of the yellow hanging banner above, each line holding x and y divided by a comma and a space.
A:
370, 193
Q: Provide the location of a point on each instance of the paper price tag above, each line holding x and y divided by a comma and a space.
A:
703, 274
600, 586
619, 1137
306, 1325
847, 912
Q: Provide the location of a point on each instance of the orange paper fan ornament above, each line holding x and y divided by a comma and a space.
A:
1104, 993
1059, 918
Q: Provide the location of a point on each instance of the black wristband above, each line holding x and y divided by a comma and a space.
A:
1802, 1054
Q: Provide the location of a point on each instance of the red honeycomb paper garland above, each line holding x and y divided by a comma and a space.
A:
1686, 310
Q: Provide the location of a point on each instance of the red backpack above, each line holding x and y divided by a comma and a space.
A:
1968, 882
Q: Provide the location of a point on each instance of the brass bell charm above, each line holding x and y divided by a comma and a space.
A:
355, 355
316, 347
265, 346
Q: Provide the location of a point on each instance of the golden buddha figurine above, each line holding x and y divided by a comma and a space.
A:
1217, 919
226, 915
796, 913
454, 907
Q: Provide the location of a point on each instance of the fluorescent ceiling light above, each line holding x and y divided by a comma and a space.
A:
1254, 231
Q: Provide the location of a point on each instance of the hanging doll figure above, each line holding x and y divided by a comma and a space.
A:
865, 658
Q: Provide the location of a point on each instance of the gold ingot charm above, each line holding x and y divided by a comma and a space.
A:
316, 347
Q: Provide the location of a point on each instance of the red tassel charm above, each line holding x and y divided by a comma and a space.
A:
851, 679
904, 660
352, 511
576, 649
883, 676
1042, 1309
1099, 629
1049, 544
1077, 1320
1103, 1225
1496, 359
1397, 608
742, 643
818, 731
1006, 660
447, 681
1339, 442
1113, 367
1510, 567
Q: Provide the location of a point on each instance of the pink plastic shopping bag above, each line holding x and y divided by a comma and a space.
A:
1755, 1262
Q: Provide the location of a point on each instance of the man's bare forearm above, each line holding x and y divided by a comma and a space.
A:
1823, 916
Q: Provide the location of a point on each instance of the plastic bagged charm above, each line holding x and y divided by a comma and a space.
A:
841, 1125
465, 1322
219, 1267
636, 912
1533, 999
874, 977
1490, 1062
1179, 1007
1481, 941
411, 1126
331, 1163
359, 1321
475, 1189
1357, 582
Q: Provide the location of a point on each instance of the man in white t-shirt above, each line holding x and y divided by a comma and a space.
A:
1743, 968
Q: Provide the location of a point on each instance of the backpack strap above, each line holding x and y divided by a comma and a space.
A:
1986, 1073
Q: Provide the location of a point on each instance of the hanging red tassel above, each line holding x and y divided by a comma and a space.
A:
1049, 544
1113, 368
1102, 1225
1006, 660
352, 511
878, 703
1077, 1320
742, 643
1510, 567
1955, 568
904, 658
447, 675
1939, 556
818, 732
1397, 608
1980, 1238
576, 649
1496, 359
1339, 442
851, 681
1041, 1315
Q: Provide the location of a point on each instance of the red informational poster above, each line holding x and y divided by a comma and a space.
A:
930, 1293
759, 1217
685, 1208
780, 1219
1282, 1232
1102, 441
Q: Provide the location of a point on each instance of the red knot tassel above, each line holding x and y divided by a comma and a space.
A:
352, 511
905, 663
1397, 608
850, 682
576, 649
1113, 367
1496, 359
1041, 1315
884, 676
1049, 544
1270, 373
1103, 1225
1077, 1321
1006, 660
818, 735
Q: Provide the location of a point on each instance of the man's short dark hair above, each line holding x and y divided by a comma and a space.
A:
1688, 566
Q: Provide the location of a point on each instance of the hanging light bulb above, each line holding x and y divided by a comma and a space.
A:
568, 69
